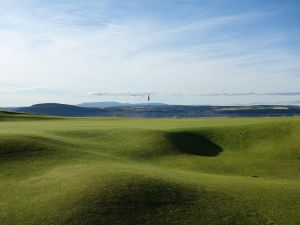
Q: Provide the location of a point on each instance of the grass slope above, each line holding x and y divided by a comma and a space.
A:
149, 171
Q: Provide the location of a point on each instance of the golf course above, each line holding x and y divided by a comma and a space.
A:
111, 171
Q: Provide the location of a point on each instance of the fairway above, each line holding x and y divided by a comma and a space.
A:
56, 170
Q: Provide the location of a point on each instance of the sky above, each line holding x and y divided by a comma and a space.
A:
217, 52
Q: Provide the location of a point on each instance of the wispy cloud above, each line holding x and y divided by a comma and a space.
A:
143, 94
18, 89
77, 47
136, 94
252, 94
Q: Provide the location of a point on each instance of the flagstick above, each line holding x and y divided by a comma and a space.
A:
149, 105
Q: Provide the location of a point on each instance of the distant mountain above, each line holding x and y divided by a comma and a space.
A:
55, 109
116, 104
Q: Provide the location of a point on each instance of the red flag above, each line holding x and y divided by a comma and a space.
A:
148, 97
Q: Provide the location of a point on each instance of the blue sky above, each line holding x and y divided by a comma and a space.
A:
216, 52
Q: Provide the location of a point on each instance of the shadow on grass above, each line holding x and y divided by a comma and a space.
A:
193, 143
146, 201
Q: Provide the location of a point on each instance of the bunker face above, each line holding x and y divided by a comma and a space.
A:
136, 171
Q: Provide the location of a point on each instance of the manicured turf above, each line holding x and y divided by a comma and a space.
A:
149, 171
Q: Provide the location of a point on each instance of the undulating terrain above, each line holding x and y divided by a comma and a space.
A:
149, 171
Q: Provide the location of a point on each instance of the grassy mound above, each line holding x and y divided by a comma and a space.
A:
24, 147
147, 171
140, 200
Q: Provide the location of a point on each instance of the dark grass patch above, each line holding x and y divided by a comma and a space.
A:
193, 143
153, 201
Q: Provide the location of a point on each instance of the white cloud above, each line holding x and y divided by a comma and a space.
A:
17, 89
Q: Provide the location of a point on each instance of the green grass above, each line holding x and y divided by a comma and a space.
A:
149, 171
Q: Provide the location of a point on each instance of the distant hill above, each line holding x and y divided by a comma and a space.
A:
159, 110
116, 104
55, 109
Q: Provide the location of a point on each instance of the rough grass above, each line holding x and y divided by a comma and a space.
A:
149, 171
